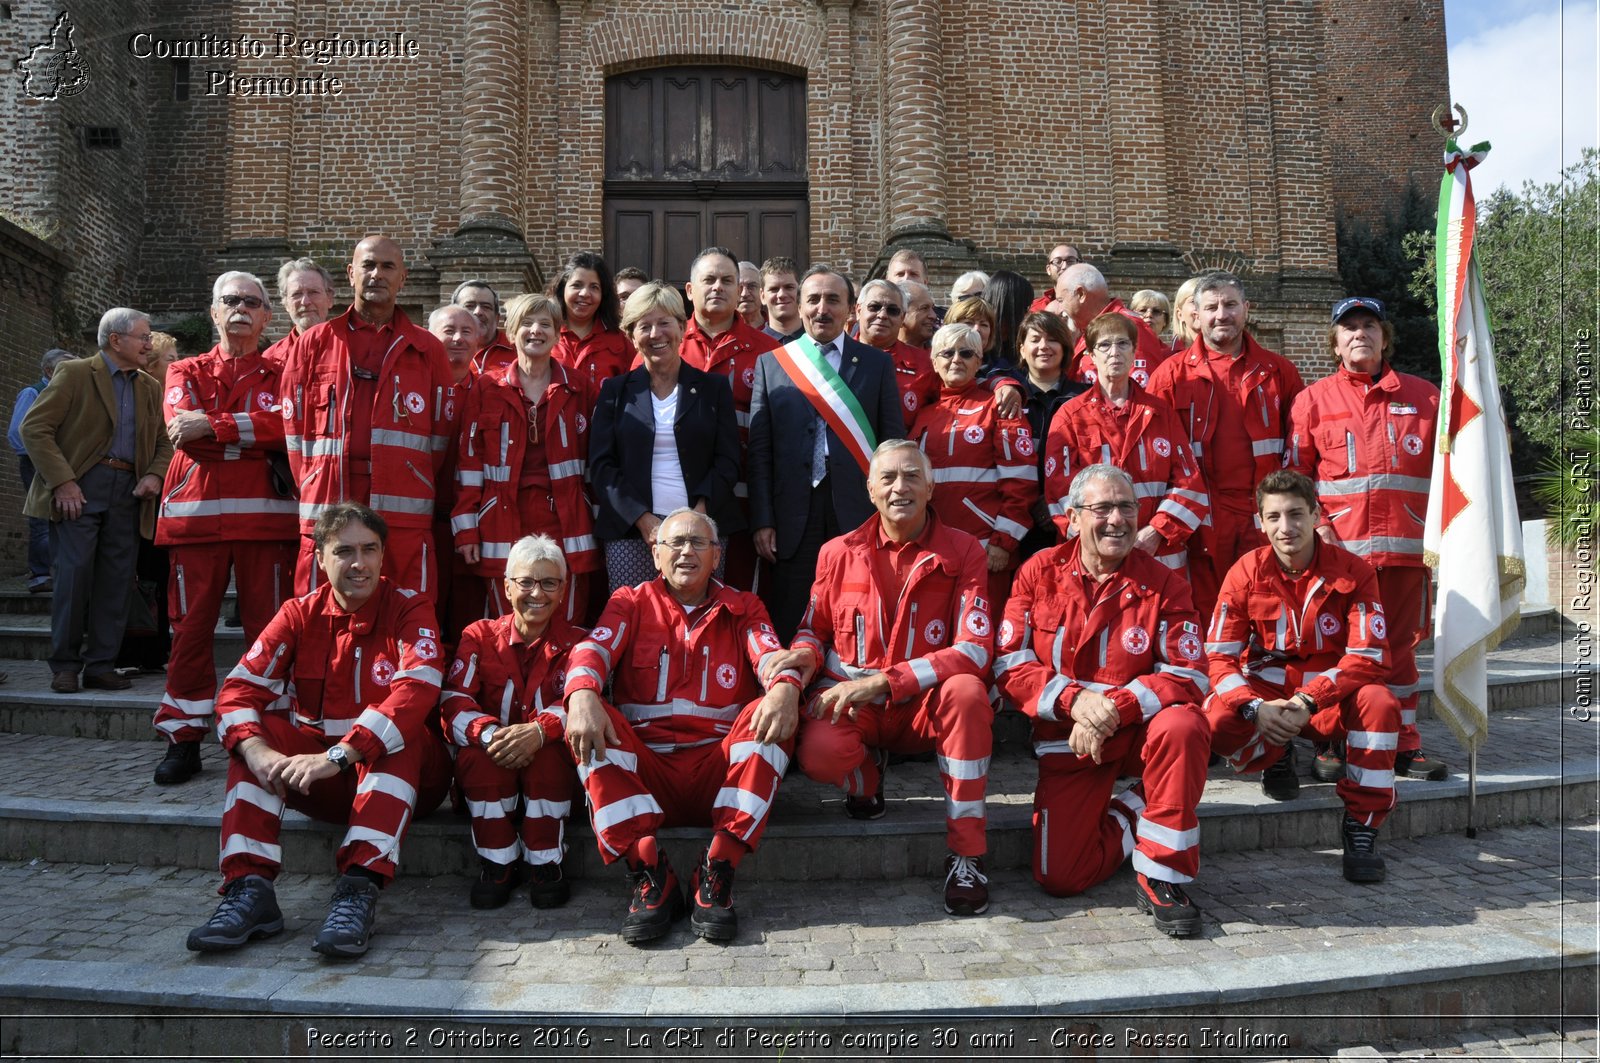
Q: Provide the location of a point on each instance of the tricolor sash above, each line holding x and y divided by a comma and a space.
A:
830, 396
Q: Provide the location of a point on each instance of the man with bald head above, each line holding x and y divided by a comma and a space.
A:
1062, 256
1082, 295
369, 407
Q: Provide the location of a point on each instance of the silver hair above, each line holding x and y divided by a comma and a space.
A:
119, 319
1215, 281
704, 518
238, 275
881, 285
446, 308
909, 289
1090, 278
903, 444
965, 279
303, 265
52, 358
950, 335
532, 549
485, 285
746, 264
1099, 471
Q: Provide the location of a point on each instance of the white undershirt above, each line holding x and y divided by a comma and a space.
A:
667, 491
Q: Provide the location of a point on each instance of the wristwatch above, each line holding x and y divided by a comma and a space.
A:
336, 756
486, 735
1307, 700
1247, 711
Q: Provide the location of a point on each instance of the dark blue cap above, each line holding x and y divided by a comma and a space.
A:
1358, 302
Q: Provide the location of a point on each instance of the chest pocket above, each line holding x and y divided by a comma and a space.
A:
854, 615
1271, 621
649, 668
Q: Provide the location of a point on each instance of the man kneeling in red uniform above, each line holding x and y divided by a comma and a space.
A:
699, 731
1297, 647
1101, 646
329, 713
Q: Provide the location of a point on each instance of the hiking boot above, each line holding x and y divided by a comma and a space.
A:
712, 916
1328, 766
1280, 781
495, 883
656, 902
966, 887
870, 807
249, 909
345, 933
546, 886
181, 763
1361, 860
1415, 764
1175, 914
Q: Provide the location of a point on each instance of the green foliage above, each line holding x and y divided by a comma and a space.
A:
1566, 489
1379, 261
193, 333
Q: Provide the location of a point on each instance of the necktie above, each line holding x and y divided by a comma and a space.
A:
819, 452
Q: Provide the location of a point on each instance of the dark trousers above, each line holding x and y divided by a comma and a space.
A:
788, 592
95, 556
38, 529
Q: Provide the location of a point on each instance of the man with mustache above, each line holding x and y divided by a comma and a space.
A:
483, 303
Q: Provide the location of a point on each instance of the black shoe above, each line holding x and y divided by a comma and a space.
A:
1280, 781
547, 888
865, 806
106, 681
345, 933
656, 903
181, 763
1175, 914
249, 909
1361, 860
42, 587
712, 916
495, 883
1329, 763
1415, 764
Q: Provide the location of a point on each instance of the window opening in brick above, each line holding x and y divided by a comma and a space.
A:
102, 137
180, 79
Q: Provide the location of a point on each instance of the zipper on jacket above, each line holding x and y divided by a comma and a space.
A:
861, 641
426, 482
1350, 452
911, 632
183, 594
358, 677
1394, 459
277, 581
180, 484
661, 679
705, 672
423, 589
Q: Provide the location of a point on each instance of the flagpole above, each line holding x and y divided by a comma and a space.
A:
1472, 792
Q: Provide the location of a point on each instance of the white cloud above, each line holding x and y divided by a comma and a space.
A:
1525, 77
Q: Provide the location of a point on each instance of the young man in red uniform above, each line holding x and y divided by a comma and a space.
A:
220, 510
898, 636
1101, 646
1233, 395
502, 710
1082, 295
1297, 646
699, 729
329, 713
369, 407
1365, 435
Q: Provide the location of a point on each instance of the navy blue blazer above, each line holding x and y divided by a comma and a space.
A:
622, 440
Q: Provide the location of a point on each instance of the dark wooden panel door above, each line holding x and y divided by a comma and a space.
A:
704, 155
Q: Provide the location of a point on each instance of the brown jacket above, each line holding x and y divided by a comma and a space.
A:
71, 425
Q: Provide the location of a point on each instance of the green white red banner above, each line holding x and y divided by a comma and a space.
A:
830, 396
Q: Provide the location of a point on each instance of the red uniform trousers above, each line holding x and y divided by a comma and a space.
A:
727, 785
1405, 590
1081, 834
377, 801
544, 789
408, 561
1230, 536
1368, 722
264, 573
954, 719
462, 597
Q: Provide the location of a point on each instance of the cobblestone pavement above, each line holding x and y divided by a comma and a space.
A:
1511, 1041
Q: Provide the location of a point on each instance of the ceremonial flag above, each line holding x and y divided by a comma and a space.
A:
1473, 538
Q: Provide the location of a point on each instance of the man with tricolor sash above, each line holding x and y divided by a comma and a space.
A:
819, 407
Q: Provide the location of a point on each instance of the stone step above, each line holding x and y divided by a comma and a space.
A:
27, 638
1493, 932
15, 602
79, 799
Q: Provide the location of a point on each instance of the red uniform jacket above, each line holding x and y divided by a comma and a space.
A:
494, 436
1147, 442
1134, 637
1369, 447
1148, 354
680, 678
913, 371
1324, 633
936, 626
601, 355
496, 356
984, 475
413, 418
220, 489
369, 678
498, 678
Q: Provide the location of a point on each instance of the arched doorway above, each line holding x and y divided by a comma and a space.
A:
697, 156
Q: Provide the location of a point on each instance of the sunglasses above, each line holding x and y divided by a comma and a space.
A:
950, 354
250, 302
884, 308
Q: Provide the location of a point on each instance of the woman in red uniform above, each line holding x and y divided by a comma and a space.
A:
983, 464
524, 456
591, 340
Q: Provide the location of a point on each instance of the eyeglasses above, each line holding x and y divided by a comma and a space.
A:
1114, 345
884, 308
527, 583
1105, 509
691, 542
1063, 261
950, 354
250, 301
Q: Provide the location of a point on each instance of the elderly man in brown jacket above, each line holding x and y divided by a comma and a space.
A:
100, 451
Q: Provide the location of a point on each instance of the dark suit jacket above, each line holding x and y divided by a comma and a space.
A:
623, 436
783, 426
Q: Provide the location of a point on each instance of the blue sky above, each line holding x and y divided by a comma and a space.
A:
1525, 71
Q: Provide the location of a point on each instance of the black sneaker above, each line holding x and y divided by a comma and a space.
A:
1175, 914
1361, 860
249, 909
345, 933
1328, 766
1280, 781
966, 887
712, 916
181, 763
495, 883
546, 886
1415, 764
656, 903
870, 806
